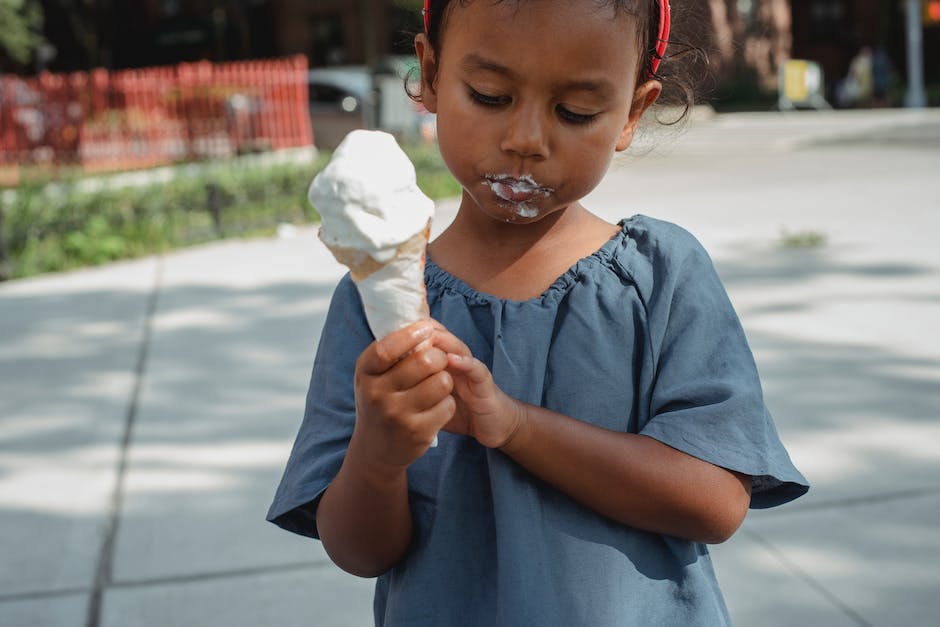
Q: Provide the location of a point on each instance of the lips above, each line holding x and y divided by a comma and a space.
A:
516, 189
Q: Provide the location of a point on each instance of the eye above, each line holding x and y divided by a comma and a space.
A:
575, 118
487, 100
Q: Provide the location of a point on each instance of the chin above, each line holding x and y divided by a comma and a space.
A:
514, 213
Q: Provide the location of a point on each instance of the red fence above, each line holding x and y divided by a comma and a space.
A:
105, 121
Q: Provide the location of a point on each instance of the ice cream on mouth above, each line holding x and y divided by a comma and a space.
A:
520, 192
376, 221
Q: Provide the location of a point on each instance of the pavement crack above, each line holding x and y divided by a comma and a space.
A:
235, 573
808, 579
32, 595
103, 569
223, 574
862, 500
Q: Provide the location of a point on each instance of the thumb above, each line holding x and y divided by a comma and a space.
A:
470, 367
385, 353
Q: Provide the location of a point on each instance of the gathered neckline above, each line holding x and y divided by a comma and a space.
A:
438, 277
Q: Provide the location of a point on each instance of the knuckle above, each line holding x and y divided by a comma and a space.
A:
445, 382
437, 387
389, 406
382, 351
370, 397
428, 361
448, 406
427, 358
372, 394
451, 404
412, 430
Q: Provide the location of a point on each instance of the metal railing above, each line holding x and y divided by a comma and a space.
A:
102, 121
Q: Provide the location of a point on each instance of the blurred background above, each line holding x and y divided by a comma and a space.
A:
89, 87
162, 290
862, 53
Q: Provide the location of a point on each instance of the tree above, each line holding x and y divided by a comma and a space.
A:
750, 37
20, 25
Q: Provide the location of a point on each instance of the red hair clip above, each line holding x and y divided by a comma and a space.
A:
662, 38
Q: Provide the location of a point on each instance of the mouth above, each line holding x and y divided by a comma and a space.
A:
516, 190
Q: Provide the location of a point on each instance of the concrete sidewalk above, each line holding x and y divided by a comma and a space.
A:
147, 407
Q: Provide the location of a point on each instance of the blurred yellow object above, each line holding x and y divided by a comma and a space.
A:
795, 84
801, 85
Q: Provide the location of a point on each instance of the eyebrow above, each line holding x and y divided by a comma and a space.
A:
475, 61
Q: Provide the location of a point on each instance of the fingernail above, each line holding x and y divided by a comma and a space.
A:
422, 331
422, 345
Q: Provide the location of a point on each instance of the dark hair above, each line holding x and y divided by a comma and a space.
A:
679, 88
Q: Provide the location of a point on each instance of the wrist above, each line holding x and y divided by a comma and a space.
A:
373, 473
520, 420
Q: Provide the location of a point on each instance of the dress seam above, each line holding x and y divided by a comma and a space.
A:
604, 257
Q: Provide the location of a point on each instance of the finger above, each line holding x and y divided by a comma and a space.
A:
422, 427
429, 392
438, 415
416, 367
447, 341
472, 368
385, 353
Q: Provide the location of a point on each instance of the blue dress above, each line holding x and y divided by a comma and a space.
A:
638, 337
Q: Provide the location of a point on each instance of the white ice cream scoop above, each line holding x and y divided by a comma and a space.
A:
368, 198
376, 221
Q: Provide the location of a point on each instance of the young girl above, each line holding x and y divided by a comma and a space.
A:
600, 412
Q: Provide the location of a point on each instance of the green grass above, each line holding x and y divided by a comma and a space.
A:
52, 227
802, 239
434, 178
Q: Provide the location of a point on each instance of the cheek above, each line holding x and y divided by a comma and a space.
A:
451, 154
589, 161
459, 136
459, 120
451, 141
458, 154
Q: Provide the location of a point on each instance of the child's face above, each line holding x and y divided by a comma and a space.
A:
532, 100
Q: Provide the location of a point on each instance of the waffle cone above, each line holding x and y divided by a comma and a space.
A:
361, 264
392, 292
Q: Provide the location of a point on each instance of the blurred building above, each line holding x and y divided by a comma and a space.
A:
118, 35
336, 32
139, 33
747, 40
833, 31
753, 37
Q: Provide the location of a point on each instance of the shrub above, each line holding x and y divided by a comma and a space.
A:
48, 227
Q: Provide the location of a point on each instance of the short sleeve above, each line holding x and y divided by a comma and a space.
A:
329, 416
706, 397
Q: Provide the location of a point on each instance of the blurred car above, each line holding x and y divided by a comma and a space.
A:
342, 99
338, 98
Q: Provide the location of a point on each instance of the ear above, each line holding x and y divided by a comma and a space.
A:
428, 63
644, 96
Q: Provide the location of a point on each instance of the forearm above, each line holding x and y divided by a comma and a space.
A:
363, 518
631, 478
403, 398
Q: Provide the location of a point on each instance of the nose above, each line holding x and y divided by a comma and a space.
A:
526, 134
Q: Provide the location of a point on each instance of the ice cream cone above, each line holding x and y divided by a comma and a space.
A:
376, 222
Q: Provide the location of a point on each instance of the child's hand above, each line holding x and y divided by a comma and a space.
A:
403, 398
483, 410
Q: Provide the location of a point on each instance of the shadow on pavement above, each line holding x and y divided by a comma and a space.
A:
221, 397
